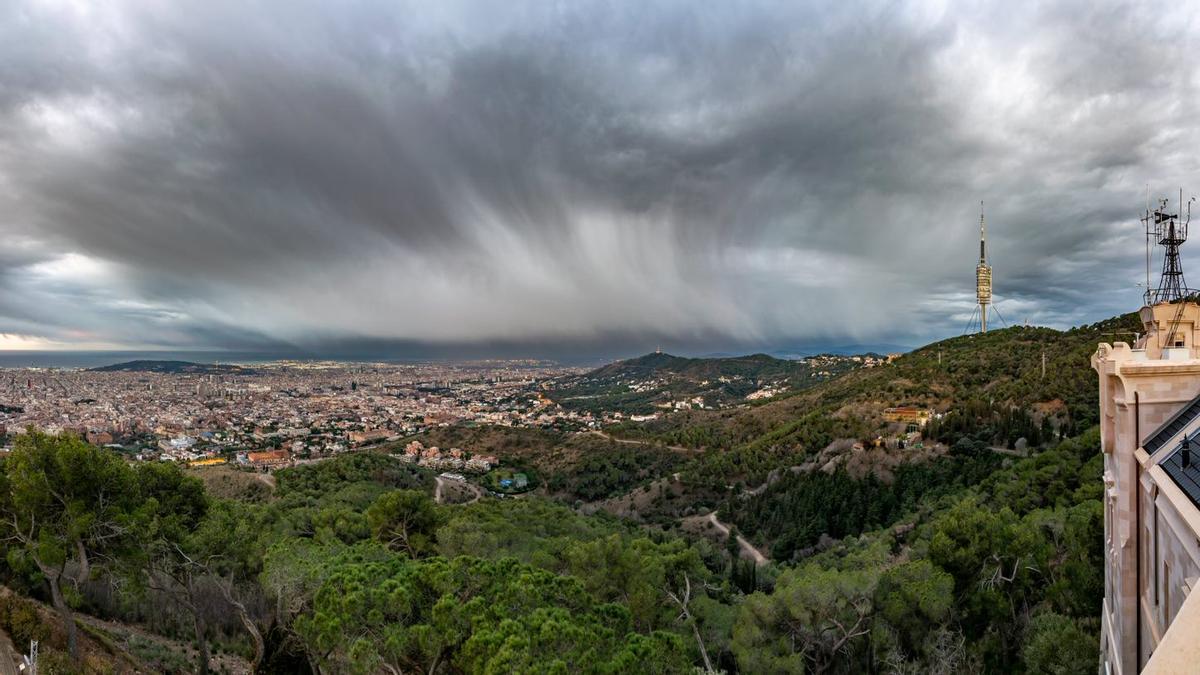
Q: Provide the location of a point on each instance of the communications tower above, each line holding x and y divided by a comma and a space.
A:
1169, 231
983, 276
983, 286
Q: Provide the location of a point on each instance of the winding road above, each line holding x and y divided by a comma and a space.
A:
748, 549
629, 441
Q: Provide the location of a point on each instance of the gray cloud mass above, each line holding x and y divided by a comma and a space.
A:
608, 175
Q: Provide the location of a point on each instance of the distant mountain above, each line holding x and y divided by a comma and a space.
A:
754, 365
659, 381
173, 367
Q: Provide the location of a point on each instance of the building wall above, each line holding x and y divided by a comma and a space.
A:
1150, 525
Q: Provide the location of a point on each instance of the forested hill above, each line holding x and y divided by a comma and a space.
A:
997, 369
999, 366
172, 367
654, 381
989, 387
657, 364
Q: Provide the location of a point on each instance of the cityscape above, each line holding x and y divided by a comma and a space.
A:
310, 409
273, 414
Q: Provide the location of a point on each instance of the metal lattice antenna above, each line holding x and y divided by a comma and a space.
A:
1170, 231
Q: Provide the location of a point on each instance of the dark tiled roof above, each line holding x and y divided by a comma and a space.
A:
1173, 426
1187, 479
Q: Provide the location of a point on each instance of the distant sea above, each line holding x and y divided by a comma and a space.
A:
93, 359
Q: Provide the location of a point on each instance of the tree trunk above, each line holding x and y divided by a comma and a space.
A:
199, 625
201, 630
708, 668
64, 612
686, 615
260, 647
85, 568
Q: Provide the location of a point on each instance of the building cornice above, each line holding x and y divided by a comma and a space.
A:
1147, 368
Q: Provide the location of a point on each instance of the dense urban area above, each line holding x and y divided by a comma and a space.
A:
192, 412
276, 413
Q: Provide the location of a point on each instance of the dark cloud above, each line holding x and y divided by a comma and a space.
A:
379, 175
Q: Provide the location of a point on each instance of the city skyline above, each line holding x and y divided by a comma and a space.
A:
467, 179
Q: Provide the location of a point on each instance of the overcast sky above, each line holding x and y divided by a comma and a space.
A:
602, 176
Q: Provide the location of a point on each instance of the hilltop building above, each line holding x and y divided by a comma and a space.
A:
1150, 439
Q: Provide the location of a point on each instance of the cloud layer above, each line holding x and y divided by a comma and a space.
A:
222, 175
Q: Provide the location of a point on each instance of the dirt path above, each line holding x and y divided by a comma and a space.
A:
268, 479
439, 482
629, 441
748, 549
478, 493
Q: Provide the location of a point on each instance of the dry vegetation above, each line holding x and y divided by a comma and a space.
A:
227, 482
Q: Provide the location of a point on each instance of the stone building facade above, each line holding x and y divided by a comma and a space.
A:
1150, 437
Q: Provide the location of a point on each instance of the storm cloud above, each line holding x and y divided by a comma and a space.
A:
708, 176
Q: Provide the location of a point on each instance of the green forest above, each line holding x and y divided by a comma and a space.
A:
978, 559
350, 567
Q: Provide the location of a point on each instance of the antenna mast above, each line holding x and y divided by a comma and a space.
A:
983, 276
1170, 231
1147, 244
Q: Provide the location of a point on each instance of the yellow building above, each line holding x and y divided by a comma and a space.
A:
908, 414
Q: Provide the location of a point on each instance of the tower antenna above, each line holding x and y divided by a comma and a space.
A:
1147, 243
1170, 231
983, 275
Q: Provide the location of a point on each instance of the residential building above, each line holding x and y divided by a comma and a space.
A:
908, 414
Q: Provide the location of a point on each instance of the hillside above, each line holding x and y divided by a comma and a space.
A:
961, 556
650, 365
658, 381
990, 389
582, 466
172, 367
